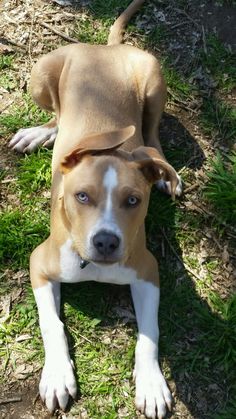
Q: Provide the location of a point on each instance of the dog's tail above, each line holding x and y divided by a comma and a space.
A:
118, 28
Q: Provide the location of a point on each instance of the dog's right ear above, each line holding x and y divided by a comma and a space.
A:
154, 167
96, 143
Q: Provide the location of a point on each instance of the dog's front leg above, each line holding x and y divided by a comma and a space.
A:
152, 393
57, 380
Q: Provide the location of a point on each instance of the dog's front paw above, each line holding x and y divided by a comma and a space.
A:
28, 139
152, 393
164, 186
57, 383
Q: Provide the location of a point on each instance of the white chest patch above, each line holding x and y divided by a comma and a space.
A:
71, 271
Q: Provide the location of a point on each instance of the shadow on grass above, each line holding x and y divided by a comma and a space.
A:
195, 342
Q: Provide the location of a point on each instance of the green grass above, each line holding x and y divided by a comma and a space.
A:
20, 232
218, 119
220, 63
6, 61
220, 189
34, 173
25, 115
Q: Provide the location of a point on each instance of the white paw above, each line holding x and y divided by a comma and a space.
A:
28, 139
57, 383
152, 393
164, 186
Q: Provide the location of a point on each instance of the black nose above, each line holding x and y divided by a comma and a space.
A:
106, 243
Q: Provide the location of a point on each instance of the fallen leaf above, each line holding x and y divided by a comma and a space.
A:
22, 371
5, 49
225, 254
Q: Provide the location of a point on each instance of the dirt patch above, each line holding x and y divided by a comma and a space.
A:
220, 20
28, 406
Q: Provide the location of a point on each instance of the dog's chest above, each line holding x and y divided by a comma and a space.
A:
70, 270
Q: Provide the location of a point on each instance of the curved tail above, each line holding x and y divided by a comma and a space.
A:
118, 28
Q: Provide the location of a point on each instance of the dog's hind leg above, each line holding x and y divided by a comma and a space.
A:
44, 82
154, 103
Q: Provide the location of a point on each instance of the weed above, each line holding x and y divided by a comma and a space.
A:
91, 31
20, 232
218, 119
28, 114
220, 62
34, 172
6, 61
220, 189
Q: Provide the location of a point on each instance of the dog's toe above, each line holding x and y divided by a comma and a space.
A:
57, 383
152, 393
29, 139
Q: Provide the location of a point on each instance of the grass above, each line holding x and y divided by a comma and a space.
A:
197, 325
219, 119
220, 188
24, 115
219, 62
20, 232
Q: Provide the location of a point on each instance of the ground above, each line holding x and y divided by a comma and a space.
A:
192, 238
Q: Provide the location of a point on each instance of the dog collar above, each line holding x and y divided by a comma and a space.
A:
83, 263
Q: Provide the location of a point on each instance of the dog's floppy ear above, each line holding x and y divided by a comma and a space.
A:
96, 143
155, 167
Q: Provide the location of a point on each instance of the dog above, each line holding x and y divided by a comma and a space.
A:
108, 102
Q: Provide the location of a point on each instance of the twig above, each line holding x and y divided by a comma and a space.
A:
11, 400
36, 398
180, 103
177, 25
30, 36
210, 214
204, 40
191, 188
179, 258
62, 35
182, 106
187, 15
8, 180
16, 44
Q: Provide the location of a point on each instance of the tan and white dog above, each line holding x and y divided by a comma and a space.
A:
108, 102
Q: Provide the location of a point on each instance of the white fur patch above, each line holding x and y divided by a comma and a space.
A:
110, 181
28, 139
57, 380
152, 393
107, 220
71, 271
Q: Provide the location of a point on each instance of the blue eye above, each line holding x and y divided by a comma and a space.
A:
82, 197
132, 201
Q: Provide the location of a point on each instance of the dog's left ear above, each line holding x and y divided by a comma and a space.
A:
154, 167
95, 143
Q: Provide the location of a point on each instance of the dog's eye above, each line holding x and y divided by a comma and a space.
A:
82, 197
132, 201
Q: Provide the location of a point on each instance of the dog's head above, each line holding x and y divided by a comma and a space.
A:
106, 193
